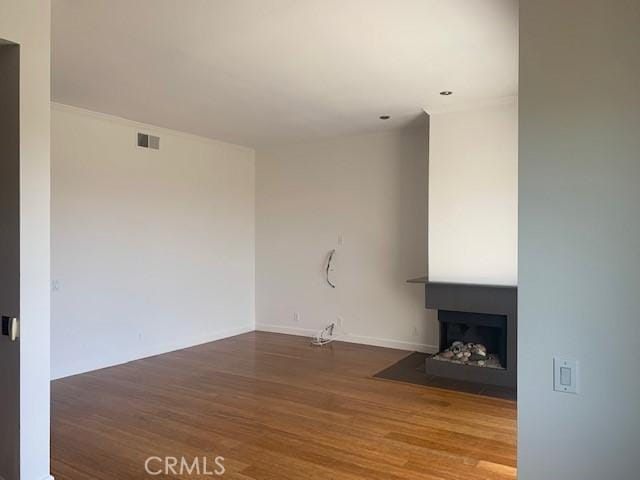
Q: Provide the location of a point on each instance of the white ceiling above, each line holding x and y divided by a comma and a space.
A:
259, 72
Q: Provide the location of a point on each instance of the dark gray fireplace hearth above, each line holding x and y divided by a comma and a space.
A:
480, 314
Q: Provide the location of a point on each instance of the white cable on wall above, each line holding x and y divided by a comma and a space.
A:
326, 335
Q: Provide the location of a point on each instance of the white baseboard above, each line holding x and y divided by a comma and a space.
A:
350, 338
196, 340
154, 350
150, 351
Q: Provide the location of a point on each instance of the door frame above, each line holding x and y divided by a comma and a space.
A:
9, 258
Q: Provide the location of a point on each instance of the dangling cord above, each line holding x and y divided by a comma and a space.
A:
329, 265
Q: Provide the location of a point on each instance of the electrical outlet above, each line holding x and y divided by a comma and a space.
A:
139, 336
339, 322
55, 285
415, 331
340, 239
296, 317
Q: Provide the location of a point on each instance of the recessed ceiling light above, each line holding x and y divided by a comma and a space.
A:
446, 93
385, 117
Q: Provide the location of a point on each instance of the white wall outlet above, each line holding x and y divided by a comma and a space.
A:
296, 317
339, 322
415, 331
55, 285
565, 375
340, 239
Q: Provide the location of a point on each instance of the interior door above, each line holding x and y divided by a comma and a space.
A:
9, 260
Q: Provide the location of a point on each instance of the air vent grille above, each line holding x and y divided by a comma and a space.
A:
148, 141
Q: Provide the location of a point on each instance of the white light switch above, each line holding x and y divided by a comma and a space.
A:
565, 375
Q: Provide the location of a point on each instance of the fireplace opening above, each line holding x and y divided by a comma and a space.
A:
473, 339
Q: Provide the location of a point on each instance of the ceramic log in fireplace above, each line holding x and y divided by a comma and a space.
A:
475, 314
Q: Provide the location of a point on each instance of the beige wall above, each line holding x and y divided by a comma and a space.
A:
27, 22
371, 190
473, 195
579, 253
153, 250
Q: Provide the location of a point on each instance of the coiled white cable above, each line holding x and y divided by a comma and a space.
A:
324, 336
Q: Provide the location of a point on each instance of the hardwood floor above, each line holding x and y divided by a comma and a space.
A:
276, 408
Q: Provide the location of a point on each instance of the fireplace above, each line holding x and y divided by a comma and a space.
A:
474, 319
473, 339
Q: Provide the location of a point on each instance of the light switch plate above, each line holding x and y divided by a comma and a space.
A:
565, 375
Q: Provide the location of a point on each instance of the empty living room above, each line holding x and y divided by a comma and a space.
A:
319, 239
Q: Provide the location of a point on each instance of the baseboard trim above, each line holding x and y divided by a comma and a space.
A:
154, 350
219, 335
350, 338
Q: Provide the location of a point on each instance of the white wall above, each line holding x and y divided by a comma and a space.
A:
473, 195
27, 22
153, 250
371, 190
579, 238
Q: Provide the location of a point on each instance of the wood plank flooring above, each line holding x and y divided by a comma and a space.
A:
276, 408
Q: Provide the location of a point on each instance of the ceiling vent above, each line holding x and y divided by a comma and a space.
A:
148, 141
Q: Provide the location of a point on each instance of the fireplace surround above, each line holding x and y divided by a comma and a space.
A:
480, 314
